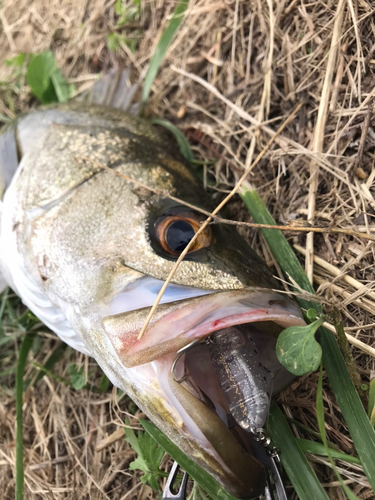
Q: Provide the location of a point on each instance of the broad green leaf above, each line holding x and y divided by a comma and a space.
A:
182, 142
77, 376
152, 452
131, 438
45, 79
149, 457
162, 47
38, 76
297, 349
139, 464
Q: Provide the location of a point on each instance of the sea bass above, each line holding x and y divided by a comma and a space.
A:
88, 251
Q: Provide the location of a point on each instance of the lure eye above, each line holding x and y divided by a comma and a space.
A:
174, 231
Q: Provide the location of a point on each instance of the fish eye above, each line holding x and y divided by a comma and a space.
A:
179, 234
175, 230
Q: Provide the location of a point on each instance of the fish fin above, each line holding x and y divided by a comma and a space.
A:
115, 90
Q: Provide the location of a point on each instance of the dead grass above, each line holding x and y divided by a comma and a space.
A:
231, 77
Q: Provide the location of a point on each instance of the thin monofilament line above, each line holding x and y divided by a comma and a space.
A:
209, 219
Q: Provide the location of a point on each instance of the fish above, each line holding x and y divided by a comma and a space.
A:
88, 251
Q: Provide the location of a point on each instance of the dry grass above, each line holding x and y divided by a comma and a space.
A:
232, 76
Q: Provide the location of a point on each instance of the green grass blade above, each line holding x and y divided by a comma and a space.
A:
162, 47
320, 417
347, 397
22, 358
182, 142
371, 402
355, 416
292, 458
315, 448
277, 243
212, 487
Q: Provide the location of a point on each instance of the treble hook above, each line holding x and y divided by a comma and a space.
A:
168, 493
180, 352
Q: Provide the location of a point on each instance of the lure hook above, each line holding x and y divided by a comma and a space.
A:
181, 493
180, 352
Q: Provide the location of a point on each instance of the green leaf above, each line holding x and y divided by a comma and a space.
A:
182, 142
77, 376
149, 457
162, 47
45, 79
38, 76
104, 383
297, 349
62, 88
311, 314
131, 438
152, 452
213, 488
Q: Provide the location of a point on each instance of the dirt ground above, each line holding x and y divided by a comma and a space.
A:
233, 73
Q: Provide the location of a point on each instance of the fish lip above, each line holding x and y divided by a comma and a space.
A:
177, 324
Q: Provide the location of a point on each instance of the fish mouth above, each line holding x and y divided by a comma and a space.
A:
176, 346
174, 325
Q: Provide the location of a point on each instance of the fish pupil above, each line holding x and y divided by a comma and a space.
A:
179, 234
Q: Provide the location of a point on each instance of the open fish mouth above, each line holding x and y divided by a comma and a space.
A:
189, 347
177, 324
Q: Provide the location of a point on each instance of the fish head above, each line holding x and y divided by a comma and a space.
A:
95, 249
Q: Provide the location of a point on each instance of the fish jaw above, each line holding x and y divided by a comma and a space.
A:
176, 325
175, 407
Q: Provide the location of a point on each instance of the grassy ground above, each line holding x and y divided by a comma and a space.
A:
232, 66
